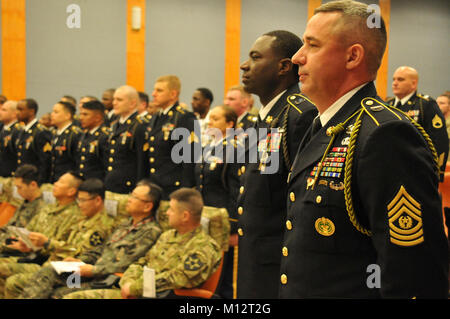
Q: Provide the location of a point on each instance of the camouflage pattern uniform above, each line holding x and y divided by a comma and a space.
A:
180, 261
53, 221
126, 245
24, 213
87, 234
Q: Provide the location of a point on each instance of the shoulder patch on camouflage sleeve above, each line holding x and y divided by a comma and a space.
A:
193, 262
405, 220
96, 239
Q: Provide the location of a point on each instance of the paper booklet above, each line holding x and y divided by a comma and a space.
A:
66, 266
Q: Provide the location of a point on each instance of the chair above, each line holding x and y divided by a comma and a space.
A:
6, 212
9, 200
444, 189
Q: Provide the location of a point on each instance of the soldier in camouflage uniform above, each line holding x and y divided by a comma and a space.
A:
91, 232
26, 181
183, 257
128, 243
54, 221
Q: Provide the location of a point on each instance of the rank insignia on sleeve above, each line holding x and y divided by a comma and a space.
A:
192, 263
437, 121
95, 239
405, 220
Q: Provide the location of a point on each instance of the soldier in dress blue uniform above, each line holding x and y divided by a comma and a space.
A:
65, 138
218, 181
8, 137
241, 102
93, 145
167, 172
107, 100
422, 109
364, 216
125, 144
283, 120
34, 140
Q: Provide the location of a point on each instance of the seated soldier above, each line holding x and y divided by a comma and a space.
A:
54, 221
183, 257
129, 241
90, 232
26, 180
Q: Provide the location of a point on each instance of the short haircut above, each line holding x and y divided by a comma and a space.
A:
189, 199
71, 99
90, 97
285, 45
3, 99
94, 105
207, 94
28, 173
69, 107
353, 28
241, 89
31, 105
229, 113
93, 186
143, 97
154, 194
173, 82
77, 179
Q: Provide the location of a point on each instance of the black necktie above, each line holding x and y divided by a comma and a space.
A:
316, 126
398, 104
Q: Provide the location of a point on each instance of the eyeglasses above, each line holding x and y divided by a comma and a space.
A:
83, 200
142, 200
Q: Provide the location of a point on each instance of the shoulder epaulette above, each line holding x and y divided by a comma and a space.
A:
141, 120
106, 130
379, 111
180, 109
76, 129
295, 100
424, 97
252, 118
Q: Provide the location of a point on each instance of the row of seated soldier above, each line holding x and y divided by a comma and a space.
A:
73, 239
